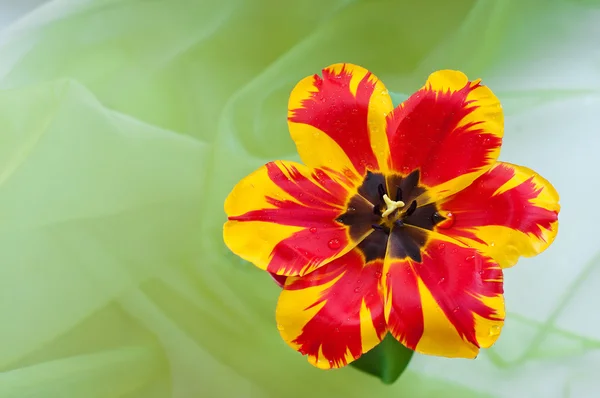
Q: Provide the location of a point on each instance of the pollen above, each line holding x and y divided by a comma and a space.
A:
391, 205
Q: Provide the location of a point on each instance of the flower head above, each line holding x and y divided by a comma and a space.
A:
399, 221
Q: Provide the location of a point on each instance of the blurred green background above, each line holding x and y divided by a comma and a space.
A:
124, 124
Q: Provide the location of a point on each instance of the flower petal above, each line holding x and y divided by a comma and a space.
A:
338, 120
451, 130
508, 212
448, 304
283, 216
335, 314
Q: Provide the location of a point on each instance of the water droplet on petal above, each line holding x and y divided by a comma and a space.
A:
492, 244
313, 230
334, 244
470, 258
356, 290
494, 330
331, 363
442, 246
441, 280
456, 309
377, 274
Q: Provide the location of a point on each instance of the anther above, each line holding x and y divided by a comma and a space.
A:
381, 191
377, 227
411, 208
398, 194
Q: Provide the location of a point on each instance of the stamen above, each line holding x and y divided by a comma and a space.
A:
411, 208
398, 194
376, 210
377, 227
391, 205
381, 191
399, 223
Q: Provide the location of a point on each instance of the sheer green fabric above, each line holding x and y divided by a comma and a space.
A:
124, 124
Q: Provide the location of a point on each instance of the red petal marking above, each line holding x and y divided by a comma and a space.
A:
287, 212
348, 178
424, 133
305, 250
334, 110
306, 191
478, 205
331, 185
405, 318
336, 328
458, 277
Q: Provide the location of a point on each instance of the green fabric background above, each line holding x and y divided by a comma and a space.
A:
124, 124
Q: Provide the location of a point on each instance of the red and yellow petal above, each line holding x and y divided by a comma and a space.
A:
451, 130
334, 314
337, 120
282, 218
508, 212
448, 304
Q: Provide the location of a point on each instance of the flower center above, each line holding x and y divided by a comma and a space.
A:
385, 210
395, 210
